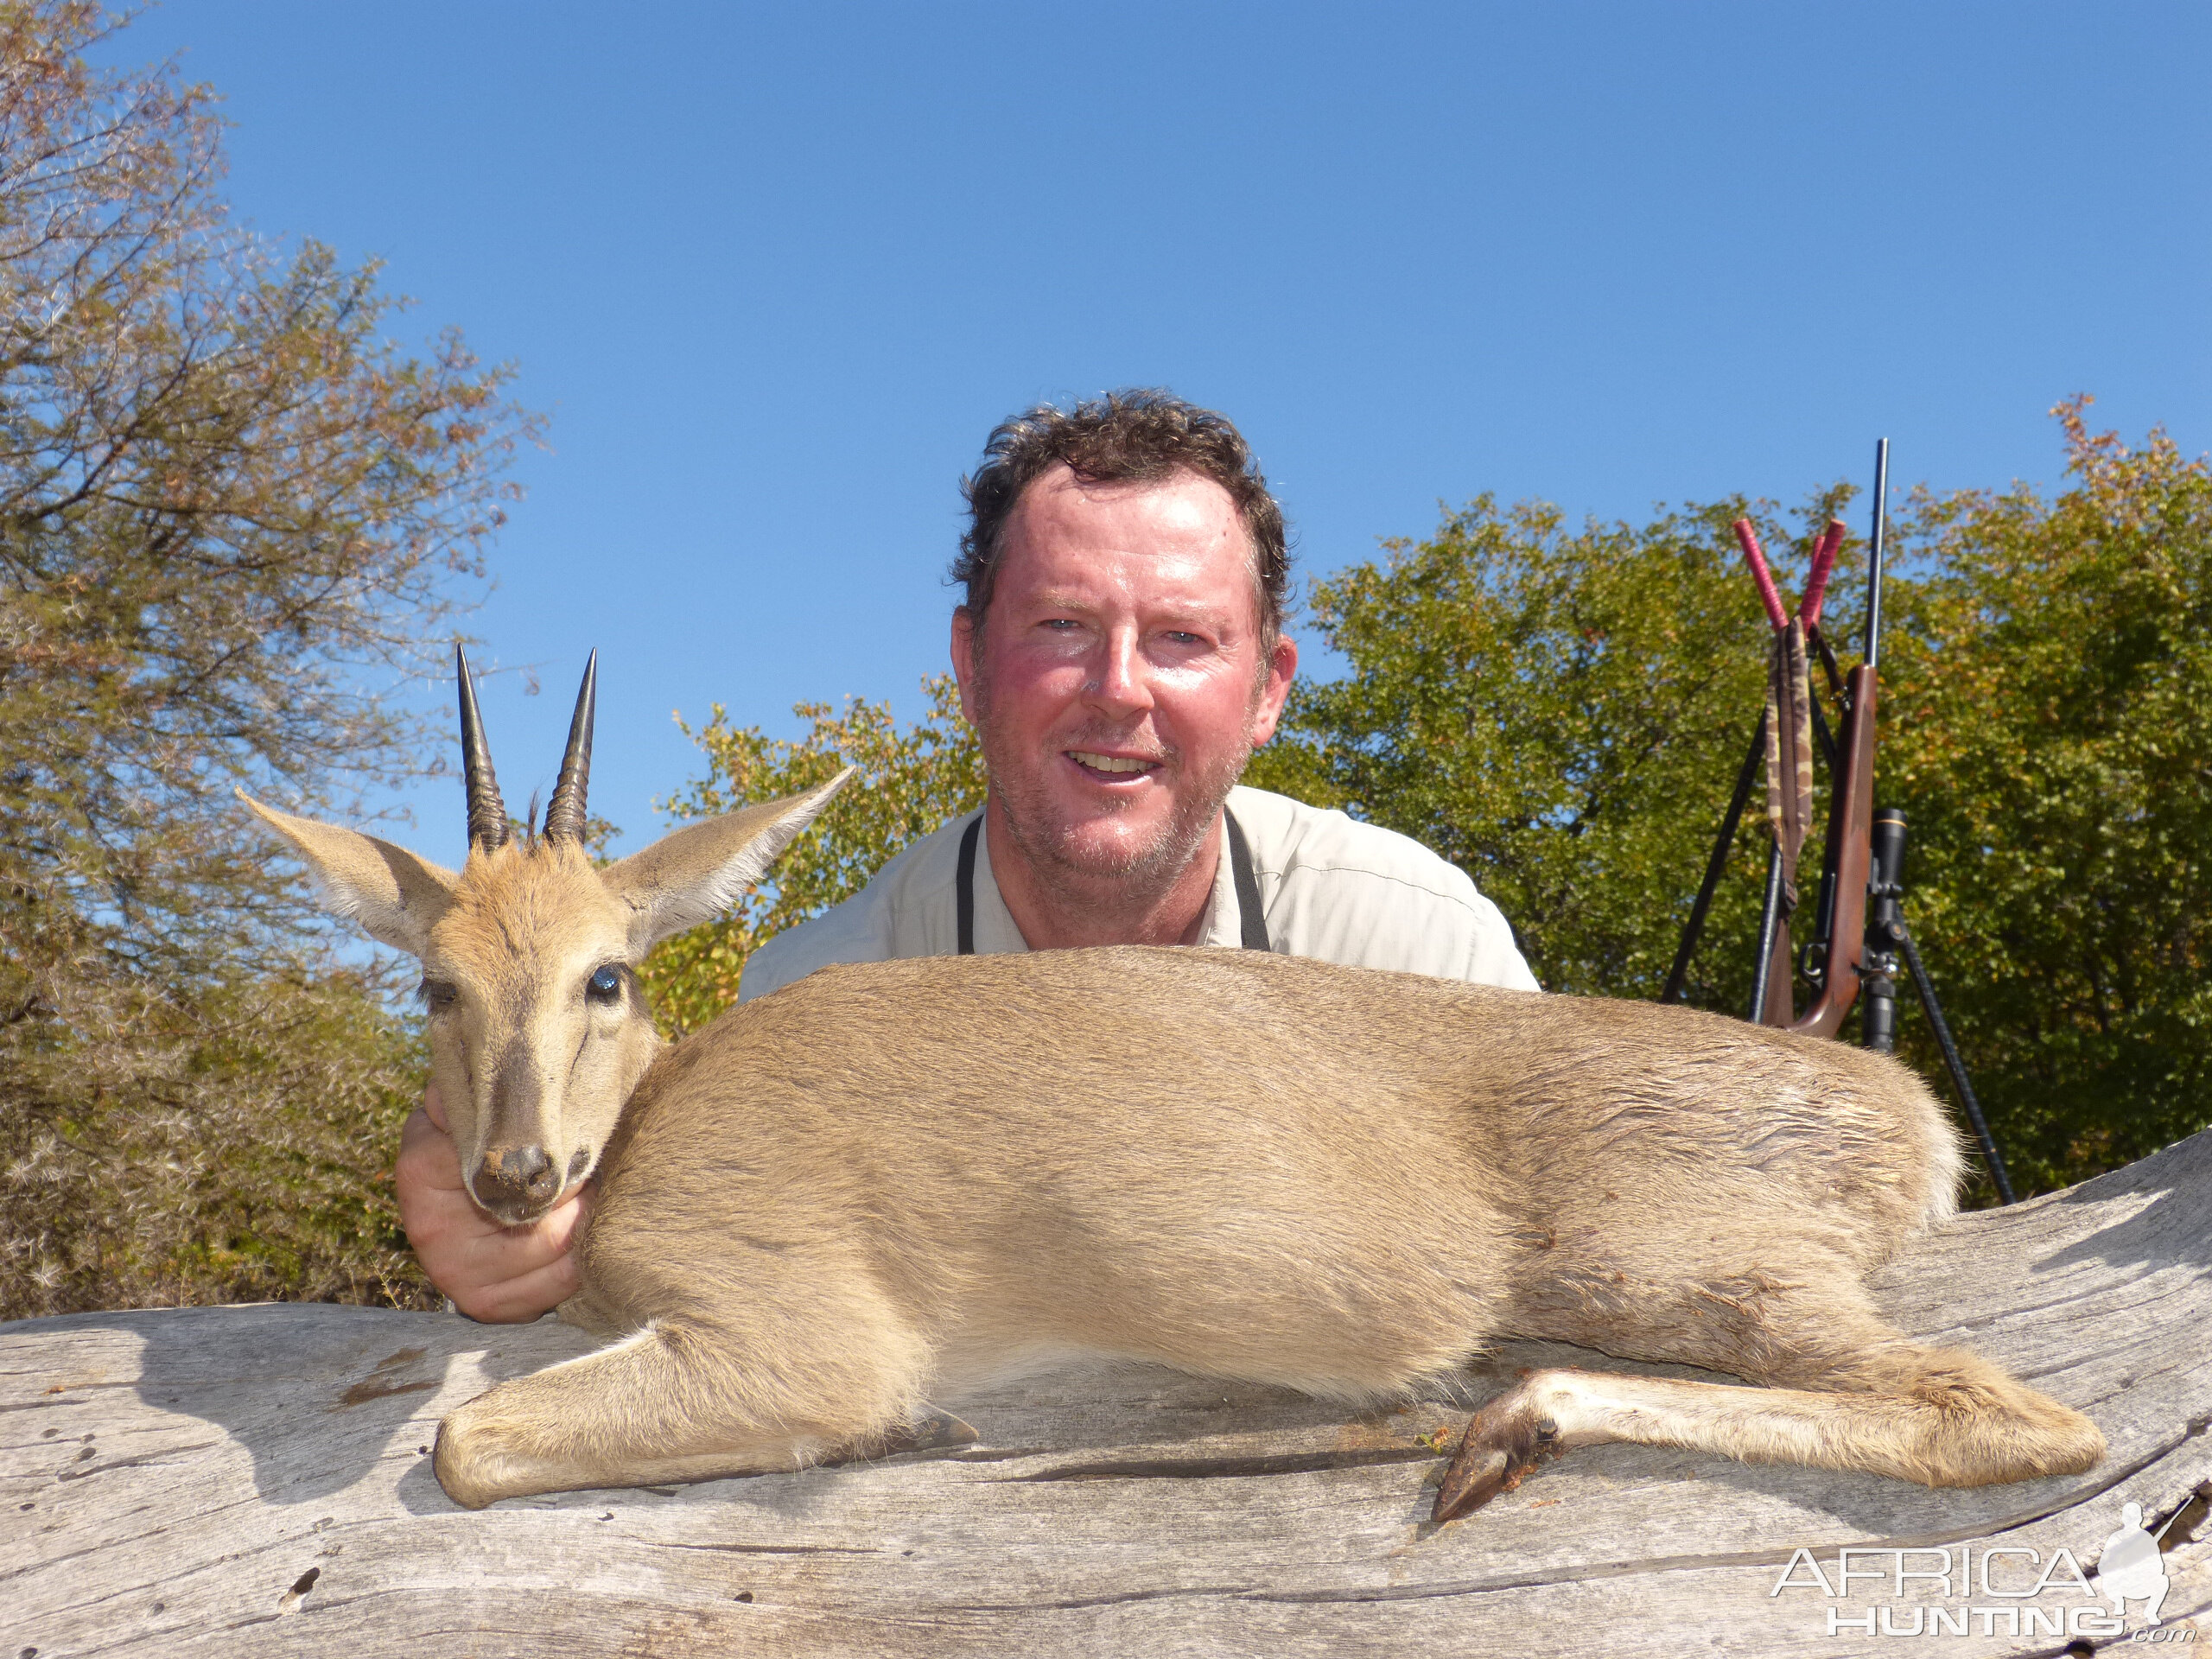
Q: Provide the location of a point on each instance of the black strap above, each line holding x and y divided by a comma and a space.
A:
1248, 917
963, 885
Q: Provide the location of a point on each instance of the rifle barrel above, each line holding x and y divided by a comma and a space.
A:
1873, 651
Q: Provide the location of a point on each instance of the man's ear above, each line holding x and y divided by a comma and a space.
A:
1275, 690
396, 897
966, 640
694, 875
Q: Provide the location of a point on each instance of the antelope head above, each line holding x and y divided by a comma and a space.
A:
539, 1028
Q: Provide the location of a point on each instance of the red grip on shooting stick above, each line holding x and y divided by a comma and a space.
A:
1762, 575
1817, 584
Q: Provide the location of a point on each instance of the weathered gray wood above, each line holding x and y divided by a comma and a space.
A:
168, 1478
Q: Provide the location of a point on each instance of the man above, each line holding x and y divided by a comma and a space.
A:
1120, 653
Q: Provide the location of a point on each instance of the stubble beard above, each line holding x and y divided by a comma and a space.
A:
1078, 867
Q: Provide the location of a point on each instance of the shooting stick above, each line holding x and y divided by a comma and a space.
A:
1852, 822
1788, 806
1678, 976
1809, 610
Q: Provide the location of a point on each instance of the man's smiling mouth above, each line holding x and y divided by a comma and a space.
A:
1110, 766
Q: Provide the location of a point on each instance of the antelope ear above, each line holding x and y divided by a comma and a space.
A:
396, 897
694, 875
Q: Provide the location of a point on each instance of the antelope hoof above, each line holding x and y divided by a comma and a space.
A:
1502, 1444
930, 1431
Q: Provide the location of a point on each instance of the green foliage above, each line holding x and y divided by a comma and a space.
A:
232, 513
2049, 735
911, 781
227, 1141
1562, 715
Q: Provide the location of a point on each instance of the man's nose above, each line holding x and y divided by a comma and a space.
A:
1118, 681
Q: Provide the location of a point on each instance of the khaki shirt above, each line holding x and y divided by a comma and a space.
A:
1330, 886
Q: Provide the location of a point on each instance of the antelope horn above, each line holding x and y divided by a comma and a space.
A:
564, 813
488, 813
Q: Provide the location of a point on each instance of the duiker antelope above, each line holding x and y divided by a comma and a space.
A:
893, 1179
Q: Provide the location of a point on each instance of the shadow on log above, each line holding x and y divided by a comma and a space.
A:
255, 1480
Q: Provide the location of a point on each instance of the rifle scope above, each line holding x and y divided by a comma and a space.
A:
1885, 926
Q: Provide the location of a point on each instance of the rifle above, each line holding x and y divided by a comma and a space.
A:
1863, 859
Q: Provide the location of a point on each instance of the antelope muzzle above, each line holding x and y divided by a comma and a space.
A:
516, 1184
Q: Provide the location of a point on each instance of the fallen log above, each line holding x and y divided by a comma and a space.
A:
255, 1480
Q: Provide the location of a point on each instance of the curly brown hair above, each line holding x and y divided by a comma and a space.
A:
1140, 433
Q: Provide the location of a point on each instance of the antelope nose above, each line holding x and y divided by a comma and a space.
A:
519, 1175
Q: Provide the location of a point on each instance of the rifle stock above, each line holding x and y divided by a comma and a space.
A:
1853, 810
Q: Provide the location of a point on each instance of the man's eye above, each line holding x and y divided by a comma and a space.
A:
605, 985
439, 994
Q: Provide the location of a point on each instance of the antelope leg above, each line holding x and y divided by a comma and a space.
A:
1943, 1418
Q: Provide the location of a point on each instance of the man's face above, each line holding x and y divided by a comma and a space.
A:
1117, 684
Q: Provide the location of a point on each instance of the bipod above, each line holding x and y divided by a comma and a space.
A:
1887, 938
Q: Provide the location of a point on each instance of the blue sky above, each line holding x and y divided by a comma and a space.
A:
772, 275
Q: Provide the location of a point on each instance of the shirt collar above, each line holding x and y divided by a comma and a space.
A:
996, 934
1224, 924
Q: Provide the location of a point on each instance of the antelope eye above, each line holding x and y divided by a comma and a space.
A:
605, 985
439, 994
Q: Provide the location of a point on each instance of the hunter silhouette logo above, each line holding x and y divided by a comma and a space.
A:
2131, 1567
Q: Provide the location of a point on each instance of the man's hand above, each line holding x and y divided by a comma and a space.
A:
507, 1275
